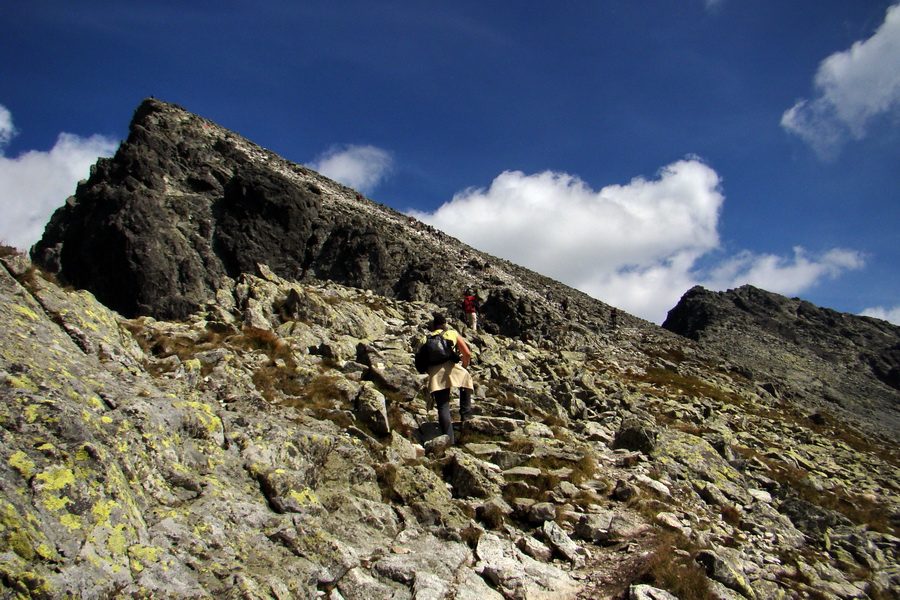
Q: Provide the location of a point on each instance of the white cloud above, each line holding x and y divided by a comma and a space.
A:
36, 183
7, 131
359, 167
635, 246
891, 315
788, 276
853, 88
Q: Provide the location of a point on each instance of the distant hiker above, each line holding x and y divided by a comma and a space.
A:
443, 377
549, 296
613, 319
470, 308
565, 307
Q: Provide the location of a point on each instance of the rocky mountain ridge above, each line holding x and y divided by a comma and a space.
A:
273, 440
185, 202
844, 364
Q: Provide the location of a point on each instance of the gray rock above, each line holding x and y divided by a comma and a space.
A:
473, 587
646, 592
535, 548
540, 512
358, 584
560, 541
493, 512
624, 491
595, 527
636, 434
371, 408
626, 527
723, 571
471, 477
519, 576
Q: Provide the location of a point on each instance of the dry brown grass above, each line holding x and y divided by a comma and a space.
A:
492, 516
28, 278
273, 378
672, 567
264, 340
163, 345
675, 355
319, 393
671, 382
520, 444
731, 515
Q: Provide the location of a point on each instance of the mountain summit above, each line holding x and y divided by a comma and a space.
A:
837, 362
185, 202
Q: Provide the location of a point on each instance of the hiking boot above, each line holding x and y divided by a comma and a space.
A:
463, 430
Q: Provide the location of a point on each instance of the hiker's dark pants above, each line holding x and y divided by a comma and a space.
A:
442, 400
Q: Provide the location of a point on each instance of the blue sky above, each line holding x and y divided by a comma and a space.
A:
629, 149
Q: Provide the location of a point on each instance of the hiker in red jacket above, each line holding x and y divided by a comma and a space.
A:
470, 308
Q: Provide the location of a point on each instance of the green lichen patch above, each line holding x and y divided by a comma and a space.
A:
20, 462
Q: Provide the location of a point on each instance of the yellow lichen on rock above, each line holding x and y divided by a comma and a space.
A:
19, 461
55, 503
72, 522
56, 479
21, 534
24, 310
141, 557
116, 541
305, 497
103, 509
22, 382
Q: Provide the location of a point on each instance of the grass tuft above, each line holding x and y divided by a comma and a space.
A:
672, 567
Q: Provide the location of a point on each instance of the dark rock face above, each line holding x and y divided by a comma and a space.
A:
184, 203
837, 361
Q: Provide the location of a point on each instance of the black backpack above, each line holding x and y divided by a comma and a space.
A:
435, 351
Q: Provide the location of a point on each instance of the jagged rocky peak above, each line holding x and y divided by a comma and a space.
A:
847, 364
186, 204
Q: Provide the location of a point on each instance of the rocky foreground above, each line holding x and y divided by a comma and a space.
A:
275, 443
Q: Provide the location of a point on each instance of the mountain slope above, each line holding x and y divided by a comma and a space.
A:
185, 202
845, 364
278, 446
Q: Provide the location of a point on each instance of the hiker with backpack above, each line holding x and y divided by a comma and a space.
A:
440, 356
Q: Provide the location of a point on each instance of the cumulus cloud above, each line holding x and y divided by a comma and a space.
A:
891, 315
7, 131
637, 246
853, 88
359, 167
785, 275
36, 183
